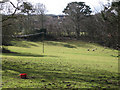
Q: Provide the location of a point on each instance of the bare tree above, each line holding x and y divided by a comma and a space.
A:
40, 11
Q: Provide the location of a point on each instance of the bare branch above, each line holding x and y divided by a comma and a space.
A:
13, 5
11, 16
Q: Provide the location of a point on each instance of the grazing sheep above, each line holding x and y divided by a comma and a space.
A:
93, 50
88, 50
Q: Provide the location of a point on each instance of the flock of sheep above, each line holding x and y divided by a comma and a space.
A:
92, 49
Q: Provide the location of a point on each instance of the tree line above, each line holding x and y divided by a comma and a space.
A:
77, 23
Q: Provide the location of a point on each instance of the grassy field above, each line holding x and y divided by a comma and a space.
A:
63, 65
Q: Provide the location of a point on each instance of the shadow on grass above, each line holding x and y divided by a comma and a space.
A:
100, 78
70, 44
61, 44
27, 55
67, 79
24, 44
82, 44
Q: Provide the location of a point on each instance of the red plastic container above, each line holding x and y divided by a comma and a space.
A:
23, 75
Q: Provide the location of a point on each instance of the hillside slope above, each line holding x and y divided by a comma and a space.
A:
71, 64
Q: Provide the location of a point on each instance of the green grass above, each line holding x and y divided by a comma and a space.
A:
63, 65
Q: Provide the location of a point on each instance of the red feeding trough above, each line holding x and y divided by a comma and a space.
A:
23, 75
